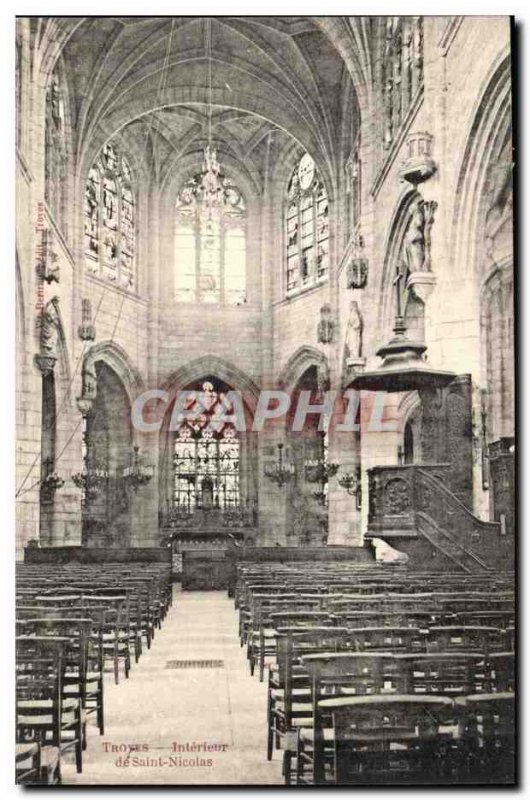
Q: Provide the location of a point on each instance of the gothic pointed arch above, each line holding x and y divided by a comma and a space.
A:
115, 357
302, 360
485, 170
483, 246
216, 366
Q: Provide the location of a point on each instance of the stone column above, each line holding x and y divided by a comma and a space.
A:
144, 503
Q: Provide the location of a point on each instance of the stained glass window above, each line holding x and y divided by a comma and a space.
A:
210, 243
401, 72
110, 218
206, 457
307, 226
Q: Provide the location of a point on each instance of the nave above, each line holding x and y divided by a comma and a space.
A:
158, 705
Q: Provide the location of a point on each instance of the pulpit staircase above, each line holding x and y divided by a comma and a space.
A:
412, 508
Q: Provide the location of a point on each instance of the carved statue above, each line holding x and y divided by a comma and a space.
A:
354, 332
49, 328
415, 239
417, 245
56, 101
89, 381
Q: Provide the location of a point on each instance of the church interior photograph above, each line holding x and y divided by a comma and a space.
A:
265, 433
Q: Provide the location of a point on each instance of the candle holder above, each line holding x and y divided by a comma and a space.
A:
91, 479
281, 472
136, 475
351, 482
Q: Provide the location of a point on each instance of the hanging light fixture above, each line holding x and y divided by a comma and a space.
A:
94, 476
136, 475
281, 472
211, 187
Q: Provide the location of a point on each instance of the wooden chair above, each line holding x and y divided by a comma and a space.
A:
28, 762
488, 738
289, 691
501, 672
43, 714
475, 638
389, 739
386, 639
448, 674
336, 674
114, 620
83, 676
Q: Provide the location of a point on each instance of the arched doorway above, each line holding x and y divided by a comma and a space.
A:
107, 447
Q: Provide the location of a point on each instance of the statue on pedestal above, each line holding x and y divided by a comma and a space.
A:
354, 333
49, 328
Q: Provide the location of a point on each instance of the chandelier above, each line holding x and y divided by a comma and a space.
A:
94, 475
211, 189
91, 479
320, 471
136, 475
280, 472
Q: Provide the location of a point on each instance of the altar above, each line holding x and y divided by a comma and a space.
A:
198, 541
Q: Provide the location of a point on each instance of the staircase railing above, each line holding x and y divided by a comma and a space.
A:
449, 513
408, 500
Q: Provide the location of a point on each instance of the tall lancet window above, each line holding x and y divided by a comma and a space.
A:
110, 218
307, 226
401, 72
210, 239
56, 153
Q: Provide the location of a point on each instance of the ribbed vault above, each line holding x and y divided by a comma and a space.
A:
146, 78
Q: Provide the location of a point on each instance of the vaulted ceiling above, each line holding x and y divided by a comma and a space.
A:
273, 79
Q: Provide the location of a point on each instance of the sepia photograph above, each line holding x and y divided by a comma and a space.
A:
265, 432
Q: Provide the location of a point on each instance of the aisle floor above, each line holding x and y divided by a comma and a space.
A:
168, 710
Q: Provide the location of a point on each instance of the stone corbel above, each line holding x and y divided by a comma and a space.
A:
45, 363
420, 165
421, 284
